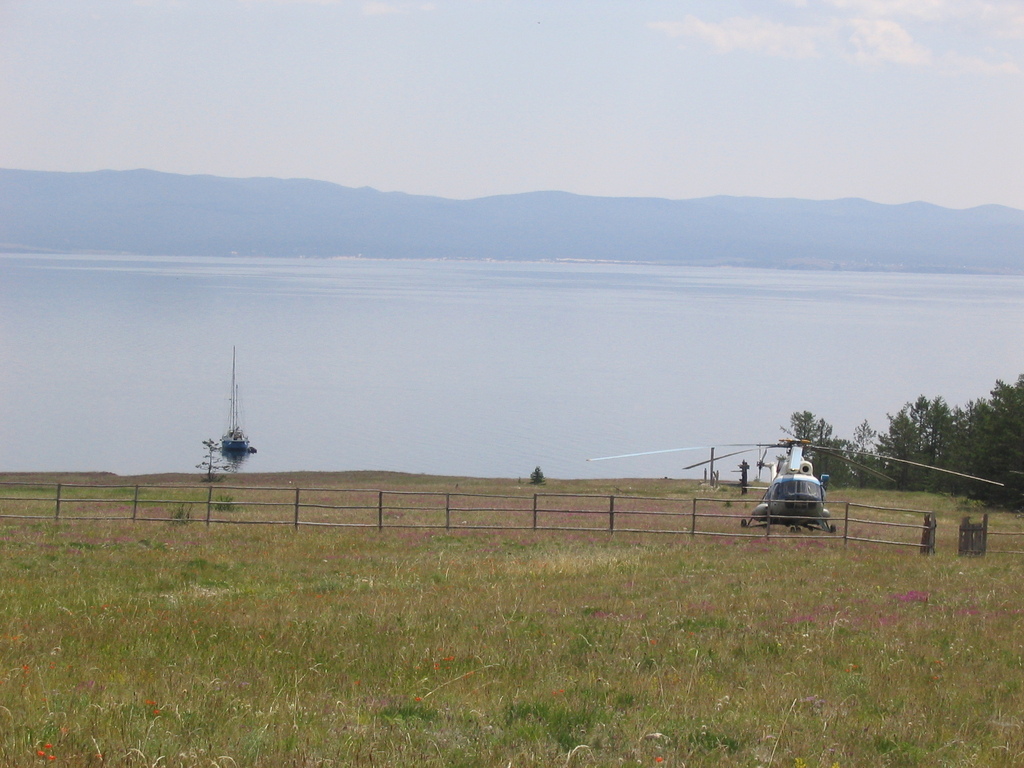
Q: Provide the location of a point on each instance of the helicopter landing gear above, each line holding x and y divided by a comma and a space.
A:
810, 525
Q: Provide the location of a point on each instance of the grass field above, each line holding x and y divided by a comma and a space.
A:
130, 644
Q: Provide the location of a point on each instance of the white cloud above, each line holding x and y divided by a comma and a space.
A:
939, 34
1000, 18
932, 10
878, 41
297, 2
957, 64
369, 7
380, 9
1005, 19
749, 34
377, 8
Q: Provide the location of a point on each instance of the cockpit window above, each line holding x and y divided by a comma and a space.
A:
804, 490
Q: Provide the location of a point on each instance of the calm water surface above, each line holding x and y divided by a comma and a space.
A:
123, 364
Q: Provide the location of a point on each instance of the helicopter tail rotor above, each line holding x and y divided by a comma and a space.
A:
760, 462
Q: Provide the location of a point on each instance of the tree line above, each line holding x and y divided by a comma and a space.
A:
984, 437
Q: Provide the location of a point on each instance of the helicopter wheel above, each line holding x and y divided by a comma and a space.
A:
744, 523
832, 528
794, 529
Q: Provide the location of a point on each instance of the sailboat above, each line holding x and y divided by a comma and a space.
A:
235, 443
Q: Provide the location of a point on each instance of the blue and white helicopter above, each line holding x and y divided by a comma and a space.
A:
795, 497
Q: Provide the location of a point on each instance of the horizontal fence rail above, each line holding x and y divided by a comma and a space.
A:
997, 540
380, 509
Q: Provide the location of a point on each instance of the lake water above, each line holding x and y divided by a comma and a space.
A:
486, 369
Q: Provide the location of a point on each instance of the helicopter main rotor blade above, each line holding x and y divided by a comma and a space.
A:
719, 458
947, 471
857, 464
665, 450
647, 453
882, 457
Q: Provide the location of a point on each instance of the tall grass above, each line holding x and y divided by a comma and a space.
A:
182, 645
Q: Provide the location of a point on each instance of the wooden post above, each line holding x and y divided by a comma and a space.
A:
380, 510
846, 526
209, 503
56, 509
611, 514
297, 509
135, 504
928, 534
535, 511
447, 511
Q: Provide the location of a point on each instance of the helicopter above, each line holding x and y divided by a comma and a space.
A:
795, 497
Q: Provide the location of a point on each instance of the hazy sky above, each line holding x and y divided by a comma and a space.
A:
890, 100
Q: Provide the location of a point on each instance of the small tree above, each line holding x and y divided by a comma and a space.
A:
537, 477
213, 462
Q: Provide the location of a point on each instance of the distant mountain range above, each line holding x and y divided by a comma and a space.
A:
150, 213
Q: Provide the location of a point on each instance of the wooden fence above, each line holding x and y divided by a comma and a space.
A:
380, 509
983, 538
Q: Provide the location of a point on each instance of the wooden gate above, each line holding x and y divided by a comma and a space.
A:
973, 537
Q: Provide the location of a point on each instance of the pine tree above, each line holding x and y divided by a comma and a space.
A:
213, 463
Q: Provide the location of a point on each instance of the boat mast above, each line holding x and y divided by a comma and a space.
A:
233, 425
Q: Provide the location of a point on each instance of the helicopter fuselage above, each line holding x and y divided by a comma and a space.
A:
796, 497
796, 500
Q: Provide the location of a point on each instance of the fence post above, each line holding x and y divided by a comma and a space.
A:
380, 510
611, 514
135, 504
846, 526
297, 490
447, 511
928, 534
209, 504
693, 518
768, 521
535, 511
56, 509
